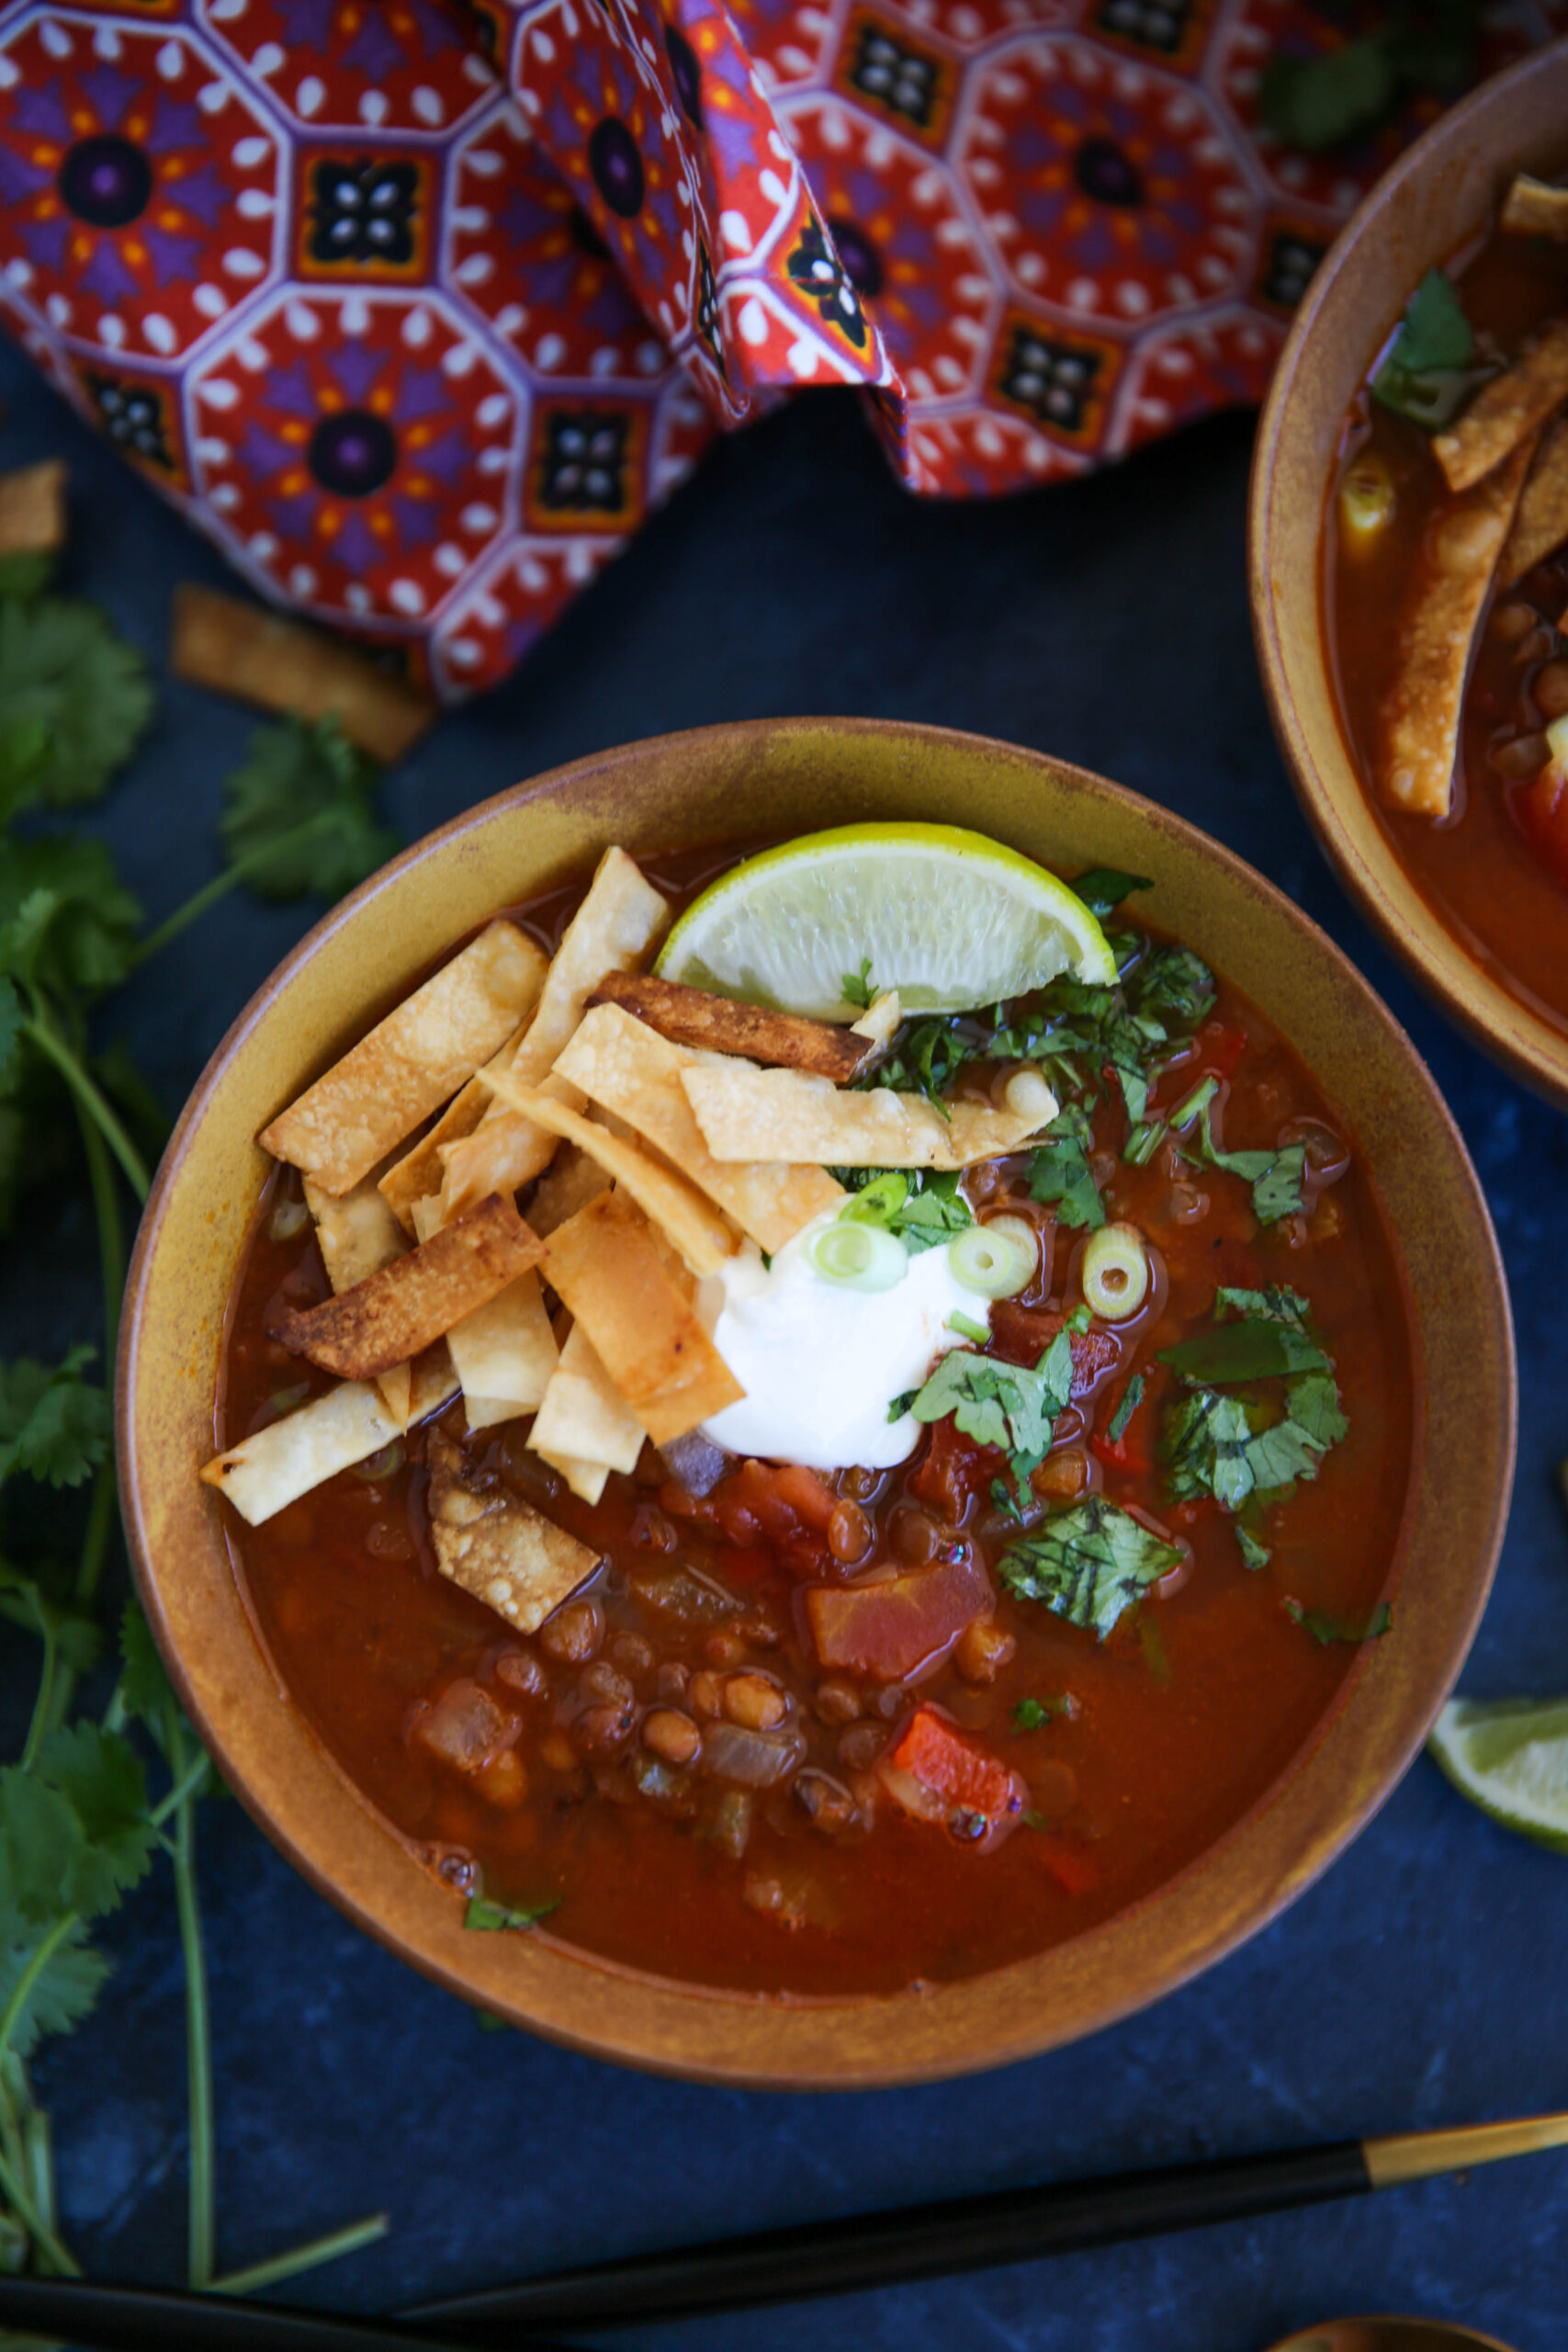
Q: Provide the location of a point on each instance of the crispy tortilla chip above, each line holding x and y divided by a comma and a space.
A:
434, 1382
1540, 520
570, 1181
364, 1106
1420, 717
1535, 209
357, 1236
505, 1353
607, 1268
879, 1022
420, 1171
288, 1457
1504, 413
240, 650
697, 1231
786, 1114
585, 1429
613, 930
633, 1071
32, 508
415, 1300
498, 1547
720, 1025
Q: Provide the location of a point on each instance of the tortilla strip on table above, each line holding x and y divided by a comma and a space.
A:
284, 1461
366, 1104
1540, 520
496, 1546
419, 1172
618, 923
635, 1071
1535, 209
786, 1114
700, 1234
358, 1235
32, 508
1419, 726
505, 1353
722, 1024
1504, 413
244, 650
606, 1266
585, 1428
415, 1300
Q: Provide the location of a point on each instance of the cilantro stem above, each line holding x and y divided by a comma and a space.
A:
56, 2256
199, 2043
186, 1785
288, 2265
221, 883
92, 1102
111, 1232
42, 1953
43, 1708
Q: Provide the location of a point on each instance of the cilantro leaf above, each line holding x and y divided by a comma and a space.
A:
1230, 1447
1034, 1715
27, 1601
1325, 1630
857, 986
145, 1691
1316, 102
1088, 1563
1104, 888
922, 1208
1059, 1172
63, 668
1254, 1554
24, 757
65, 1990
1246, 1351
52, 1424
1132, 1398
1173, 980
294, 775
1004, 1405
1276, 1189
11, 1017
66, 922
483, 1915
1427, 374
99, 1775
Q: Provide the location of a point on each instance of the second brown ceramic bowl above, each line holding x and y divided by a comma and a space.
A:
1435, 200
790, 777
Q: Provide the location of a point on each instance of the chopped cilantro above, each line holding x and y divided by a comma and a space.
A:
900, 1405
1325, 1630
1034, 1715
1059, 1170
1088, 1563
1005, 1404
1172, 980
1232, 1447
858, 986
1254, 1554
1253, 1350
1104, 888
968, 1328
1006, 1502
1428, 373
490, 1917
1132, 1398
923, 1207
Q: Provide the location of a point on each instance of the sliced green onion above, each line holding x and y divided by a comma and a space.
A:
998, 1259
968, 1328
1115, 1271
288, 1219
860, 1257
1028, 1096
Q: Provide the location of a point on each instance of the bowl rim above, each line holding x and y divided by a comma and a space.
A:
772, 2061
1503, 1025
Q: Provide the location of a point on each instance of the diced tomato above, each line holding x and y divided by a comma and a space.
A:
890, 1629
934, 1773
1022, 1334
955, 1470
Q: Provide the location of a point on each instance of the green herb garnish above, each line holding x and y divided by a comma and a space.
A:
858, 986
1317, 104
486, 1918
1034, 1715
1235, 1448
1131, 1398
1059, 1172
967, 1328
1104, 888
1325, 1630
1088, 1565
922, 1206
1004, 1405
1428, 375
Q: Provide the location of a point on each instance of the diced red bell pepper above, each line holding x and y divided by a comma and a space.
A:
934, 1773
890, 1629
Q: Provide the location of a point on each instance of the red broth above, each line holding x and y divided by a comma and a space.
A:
1479, 870
1175, 1726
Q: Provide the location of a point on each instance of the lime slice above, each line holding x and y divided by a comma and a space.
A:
949, 918
1509, 1757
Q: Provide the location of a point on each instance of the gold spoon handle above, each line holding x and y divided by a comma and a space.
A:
1418, 2155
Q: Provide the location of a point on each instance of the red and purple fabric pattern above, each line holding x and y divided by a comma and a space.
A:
418, 307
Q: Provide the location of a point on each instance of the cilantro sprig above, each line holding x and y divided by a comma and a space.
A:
1248, 1451
1005, 1404
1088, 1564
923, 1206
1428, 373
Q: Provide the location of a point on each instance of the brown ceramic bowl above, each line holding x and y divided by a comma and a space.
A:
713, 785
1435, 199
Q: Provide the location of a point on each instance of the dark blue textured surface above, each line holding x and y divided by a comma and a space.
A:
1421, 1982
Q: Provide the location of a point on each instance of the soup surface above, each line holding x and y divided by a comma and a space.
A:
764, 1848
1496, 868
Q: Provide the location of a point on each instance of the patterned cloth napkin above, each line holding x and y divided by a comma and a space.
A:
417, 308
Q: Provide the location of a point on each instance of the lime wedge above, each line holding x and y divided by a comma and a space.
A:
949, 918
1509, 1757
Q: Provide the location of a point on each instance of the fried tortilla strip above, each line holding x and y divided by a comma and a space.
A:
568, 1184
721, 1024
613, 930
242, 649
434, 1382
635, 1072
364, 1106
505, 1353
1419, 716
879, 1022
698, 1232
1540, 521
1504, 413
419, 1172
417, 1299
786, 1114
496, 1546
1535, 209
357, 1236
32, 508
279, 1463
606, 1265
585, 1429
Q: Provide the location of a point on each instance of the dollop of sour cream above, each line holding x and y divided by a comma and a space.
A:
820, 1362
